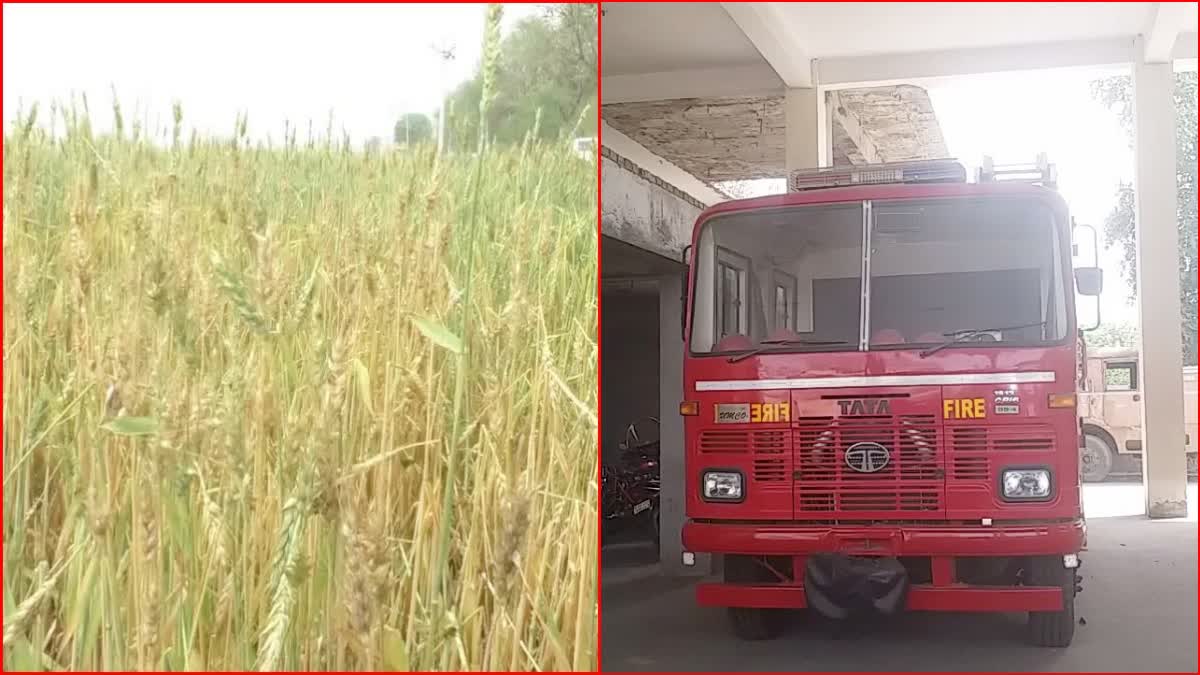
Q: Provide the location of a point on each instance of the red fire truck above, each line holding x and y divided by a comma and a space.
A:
879, 382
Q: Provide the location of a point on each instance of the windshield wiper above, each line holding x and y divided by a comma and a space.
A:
774, 344
968, 333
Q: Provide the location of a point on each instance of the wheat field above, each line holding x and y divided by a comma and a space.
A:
296, 408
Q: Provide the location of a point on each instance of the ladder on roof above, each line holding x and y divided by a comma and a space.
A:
1040, 172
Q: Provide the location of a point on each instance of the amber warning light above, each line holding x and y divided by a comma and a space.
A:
1062, 400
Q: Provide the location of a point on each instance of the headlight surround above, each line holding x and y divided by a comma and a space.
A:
1026, 484
722, 485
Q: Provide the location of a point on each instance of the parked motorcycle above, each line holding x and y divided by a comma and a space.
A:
630, 486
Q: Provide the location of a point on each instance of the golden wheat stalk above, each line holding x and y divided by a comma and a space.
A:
16, 623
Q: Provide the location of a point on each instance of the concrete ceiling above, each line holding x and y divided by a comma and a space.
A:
833, 29
643, 24
701, 84
654, 51
727, 139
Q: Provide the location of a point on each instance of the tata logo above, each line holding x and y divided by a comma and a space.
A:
868, 457
865, 406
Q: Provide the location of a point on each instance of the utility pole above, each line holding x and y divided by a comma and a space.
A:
446, 51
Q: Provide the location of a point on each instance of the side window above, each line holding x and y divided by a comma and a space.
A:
783, 301
1120, 376
731, 294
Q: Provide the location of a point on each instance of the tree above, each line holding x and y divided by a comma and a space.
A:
1119, 230
1122, 334
373, 145
546, 81
413, 128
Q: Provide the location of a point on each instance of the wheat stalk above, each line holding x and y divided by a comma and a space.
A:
282, 588
192, 559
16, 623
239, 294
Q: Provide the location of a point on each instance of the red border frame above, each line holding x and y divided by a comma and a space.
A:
599, 332
599, 211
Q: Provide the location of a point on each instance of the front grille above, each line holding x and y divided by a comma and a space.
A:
720, 440
770, 448
975, 452
770, 470
910, 482
767, 441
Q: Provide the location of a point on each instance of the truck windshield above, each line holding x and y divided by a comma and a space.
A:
986, 270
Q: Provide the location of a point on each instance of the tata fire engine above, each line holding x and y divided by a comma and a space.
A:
880, 397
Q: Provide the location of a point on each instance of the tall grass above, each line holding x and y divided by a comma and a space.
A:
296, 408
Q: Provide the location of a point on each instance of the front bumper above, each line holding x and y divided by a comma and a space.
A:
941, 544
887, 540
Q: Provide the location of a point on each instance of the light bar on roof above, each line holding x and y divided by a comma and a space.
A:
932, 171
1040, 172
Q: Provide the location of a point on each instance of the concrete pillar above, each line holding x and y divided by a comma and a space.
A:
809, 137
670, 388
1163, 457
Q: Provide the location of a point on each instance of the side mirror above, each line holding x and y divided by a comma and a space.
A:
1089, 280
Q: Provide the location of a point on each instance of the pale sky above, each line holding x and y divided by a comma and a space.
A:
368, 63
1015, 116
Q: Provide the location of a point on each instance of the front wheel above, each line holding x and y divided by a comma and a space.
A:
1053, 629
655, 532
752, 623
1098, 458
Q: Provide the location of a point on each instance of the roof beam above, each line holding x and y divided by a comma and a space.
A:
853, 127
887, 69
1185, 49
655, 164
1164, 22
762, 25
758, 80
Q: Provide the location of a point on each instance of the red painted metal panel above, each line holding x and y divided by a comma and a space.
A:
903, 419
896, 540
943, 570
920, 598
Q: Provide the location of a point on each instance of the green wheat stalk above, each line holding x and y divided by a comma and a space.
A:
491, 56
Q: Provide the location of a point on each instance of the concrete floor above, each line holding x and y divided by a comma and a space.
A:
1139, 603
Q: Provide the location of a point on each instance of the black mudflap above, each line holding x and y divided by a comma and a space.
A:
841, 587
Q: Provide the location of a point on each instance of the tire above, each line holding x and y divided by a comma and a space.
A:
1097, 459
655, 531
1053, 629
755, 624
752, 623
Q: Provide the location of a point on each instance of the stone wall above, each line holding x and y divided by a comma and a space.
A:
722, 139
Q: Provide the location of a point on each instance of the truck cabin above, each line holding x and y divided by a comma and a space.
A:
926, 270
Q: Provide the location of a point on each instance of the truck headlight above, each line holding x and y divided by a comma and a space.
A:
722, 485
1025, 484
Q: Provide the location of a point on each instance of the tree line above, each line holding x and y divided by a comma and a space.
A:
1119, 226
545, 86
